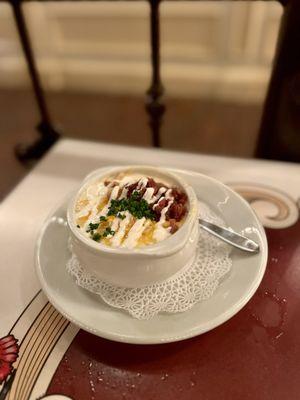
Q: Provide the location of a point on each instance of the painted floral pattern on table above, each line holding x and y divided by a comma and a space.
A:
9, 350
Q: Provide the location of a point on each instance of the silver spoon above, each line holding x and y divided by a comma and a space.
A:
229, 236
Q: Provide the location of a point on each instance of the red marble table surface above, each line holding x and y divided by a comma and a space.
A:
254, 355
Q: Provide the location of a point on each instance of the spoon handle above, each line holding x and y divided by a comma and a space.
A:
229, 236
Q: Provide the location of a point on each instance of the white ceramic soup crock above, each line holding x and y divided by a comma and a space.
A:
142, 265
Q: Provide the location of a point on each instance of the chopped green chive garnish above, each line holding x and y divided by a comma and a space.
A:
96, 237
135, 195
121, 216
92, 226
102, 218
108, 231
78, 226
138, 207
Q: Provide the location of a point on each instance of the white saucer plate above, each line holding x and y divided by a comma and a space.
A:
91, 314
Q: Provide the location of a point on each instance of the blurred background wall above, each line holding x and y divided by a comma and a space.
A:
94, 62
213, 49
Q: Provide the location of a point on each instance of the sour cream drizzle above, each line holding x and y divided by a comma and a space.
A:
125, 235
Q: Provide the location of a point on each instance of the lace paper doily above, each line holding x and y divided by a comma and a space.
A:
176, 294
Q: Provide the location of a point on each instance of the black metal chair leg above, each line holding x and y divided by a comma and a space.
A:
154, 105
279, 136
47, 133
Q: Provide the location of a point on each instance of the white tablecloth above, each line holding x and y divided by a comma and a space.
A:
23, 211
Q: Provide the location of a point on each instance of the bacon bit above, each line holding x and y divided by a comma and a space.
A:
173, 226
160, 205
157, 208
142, 192
151, 183
155, 185
106, 183
176, 211
131, 188
180, 197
